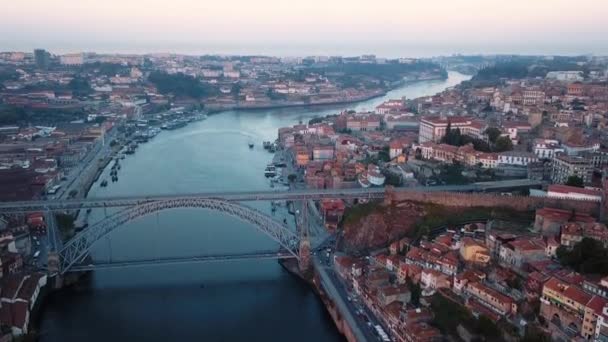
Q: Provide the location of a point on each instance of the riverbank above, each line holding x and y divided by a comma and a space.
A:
238, 106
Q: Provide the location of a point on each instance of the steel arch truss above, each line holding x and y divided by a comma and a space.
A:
78, 247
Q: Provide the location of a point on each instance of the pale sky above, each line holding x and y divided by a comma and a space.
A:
299, 27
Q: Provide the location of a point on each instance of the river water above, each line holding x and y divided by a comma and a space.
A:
232, 301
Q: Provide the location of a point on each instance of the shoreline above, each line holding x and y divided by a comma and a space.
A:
237, 107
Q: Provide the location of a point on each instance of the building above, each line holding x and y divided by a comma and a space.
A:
72, 59
363, 122
563, 305
322, 152
547, 148
42, 58
433, 128
564, 166
474, 251
573, 233
572, 192
432, 280
516, 158
491, 298
518, 252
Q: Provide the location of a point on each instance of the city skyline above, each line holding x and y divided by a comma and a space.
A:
389, 28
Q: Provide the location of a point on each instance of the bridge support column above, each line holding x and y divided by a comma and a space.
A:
304, 263
53, 262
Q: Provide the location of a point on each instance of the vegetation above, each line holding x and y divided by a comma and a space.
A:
65, 223
292, 177
80, 86
416, 291
12, 115
439, 216
449, 315
503, 144
521, 67
179, 85
493, 133
354, 214
106, 69
535, 334
588, 257
455, 138
391, 72
575, 181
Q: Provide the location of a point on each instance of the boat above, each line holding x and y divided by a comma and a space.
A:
104, 183
164, 126
266, 144
250, 145
270, 171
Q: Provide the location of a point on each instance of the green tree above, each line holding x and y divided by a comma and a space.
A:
292, 177
416, 291
503, 144
493, 133
588, 256
575, 181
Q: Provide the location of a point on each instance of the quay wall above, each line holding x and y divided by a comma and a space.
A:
488, 200
333, 310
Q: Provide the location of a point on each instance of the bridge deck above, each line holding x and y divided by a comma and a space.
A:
183, 260
246, 196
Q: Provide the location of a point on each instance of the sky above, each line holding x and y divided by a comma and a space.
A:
389, 28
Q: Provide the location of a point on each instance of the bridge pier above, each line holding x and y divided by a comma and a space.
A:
304, 253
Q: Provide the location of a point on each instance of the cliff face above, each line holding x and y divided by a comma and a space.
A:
381, 225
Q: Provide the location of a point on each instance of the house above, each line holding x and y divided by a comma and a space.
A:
573, 233
390, 294
433, 280
473, 251
491, 298
549, 220
469, 276
563, 305
593, 310
520, 251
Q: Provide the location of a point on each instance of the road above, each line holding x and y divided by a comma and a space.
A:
350, 311
245, 196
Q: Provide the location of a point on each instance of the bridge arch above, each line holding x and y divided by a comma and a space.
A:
77, 248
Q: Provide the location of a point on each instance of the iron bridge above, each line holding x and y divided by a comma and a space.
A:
77, 248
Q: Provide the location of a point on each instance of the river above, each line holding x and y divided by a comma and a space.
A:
252, 300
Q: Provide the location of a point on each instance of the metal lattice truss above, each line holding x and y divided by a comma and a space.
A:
78, 247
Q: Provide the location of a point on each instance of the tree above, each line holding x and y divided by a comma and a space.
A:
179, 84
493, 133
503, 144
292, 177
575, 181
80, 86
416, 291
588, 256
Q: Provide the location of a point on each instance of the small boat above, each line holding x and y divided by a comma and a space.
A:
250, 145
104, 183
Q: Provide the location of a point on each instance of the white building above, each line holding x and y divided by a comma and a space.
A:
572, 192
433, 128
517, 158
547, 148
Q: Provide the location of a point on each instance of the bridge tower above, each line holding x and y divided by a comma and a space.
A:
304, 249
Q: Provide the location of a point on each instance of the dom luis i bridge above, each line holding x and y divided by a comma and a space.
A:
71, 255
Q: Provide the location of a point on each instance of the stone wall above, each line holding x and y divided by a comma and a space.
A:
521, 203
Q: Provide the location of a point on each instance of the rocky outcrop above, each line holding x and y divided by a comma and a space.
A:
381, 225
